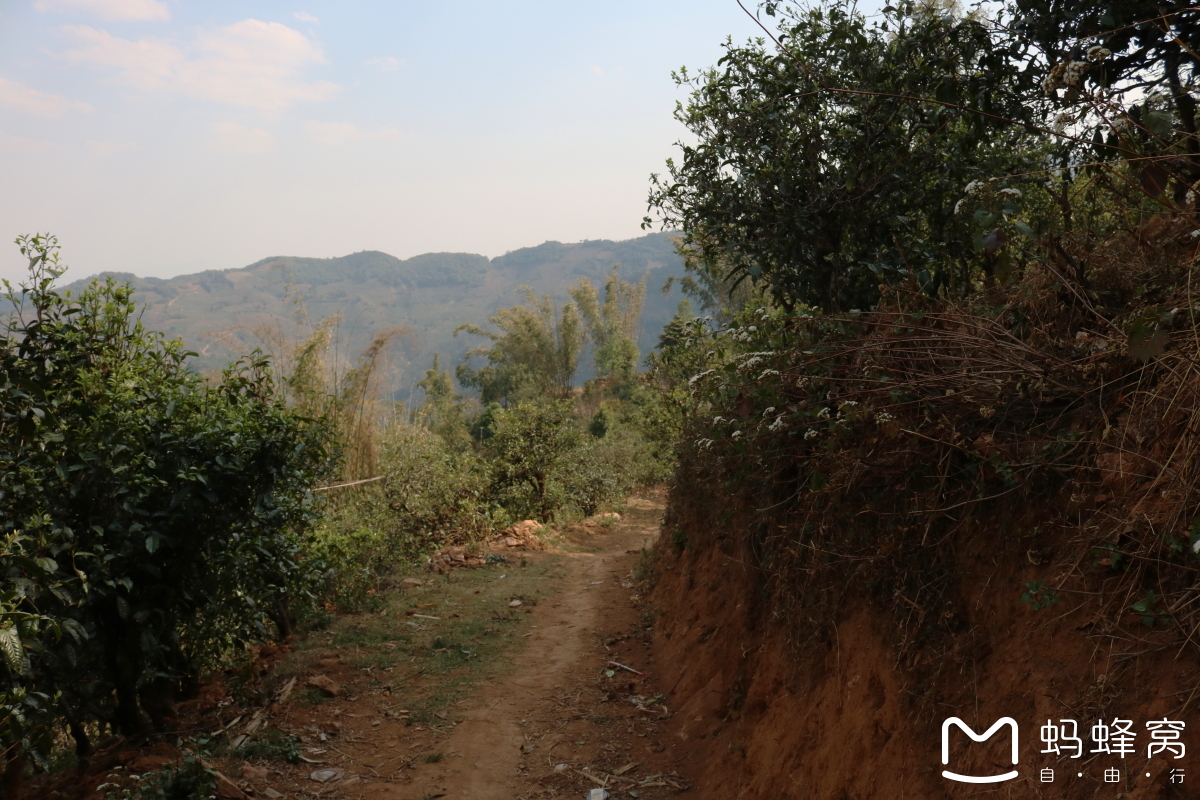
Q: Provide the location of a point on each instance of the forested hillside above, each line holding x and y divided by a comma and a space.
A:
223, 313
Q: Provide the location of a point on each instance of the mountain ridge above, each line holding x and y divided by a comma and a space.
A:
223, 314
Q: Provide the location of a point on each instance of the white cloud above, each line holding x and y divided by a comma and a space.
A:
597, 70
252, 64
147, 63
338, 133
304, 16
385, 64
28, 100
242, 140
109, 148
19, 144
110, 9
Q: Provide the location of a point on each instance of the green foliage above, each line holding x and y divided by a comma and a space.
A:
1146, 607
434, 489
431, 492
443, 411
678, 537
597, 472
158, 518
530, 446
612, 326
187, 780
1127, 79
1038, 596
836, 162
272, 744
535, 355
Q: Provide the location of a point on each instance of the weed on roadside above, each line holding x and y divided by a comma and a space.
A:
273, 745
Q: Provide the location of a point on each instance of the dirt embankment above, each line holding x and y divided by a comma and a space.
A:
771, 713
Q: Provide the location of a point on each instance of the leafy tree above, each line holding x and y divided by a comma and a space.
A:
442, 411
531, 445
613, 324
535, 354
707, 281
161, 517
675, 331
835, 162
1125, 74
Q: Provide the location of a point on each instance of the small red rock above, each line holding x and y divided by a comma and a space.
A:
324, 684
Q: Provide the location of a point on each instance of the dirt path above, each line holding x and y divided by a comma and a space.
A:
559, 707
496, 683
552, 717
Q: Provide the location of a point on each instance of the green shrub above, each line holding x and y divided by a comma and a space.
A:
158, 517
187, 780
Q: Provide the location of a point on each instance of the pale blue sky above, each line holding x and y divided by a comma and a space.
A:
169, 136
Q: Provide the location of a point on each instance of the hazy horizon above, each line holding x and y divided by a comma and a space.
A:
165, 137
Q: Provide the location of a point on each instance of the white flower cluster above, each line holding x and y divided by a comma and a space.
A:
1015, 194
823, 413
811, 433
749, 363
883, 418
987, 412
971, 188
777, 424
1066, 75
1098, 53
767, 372
692, 380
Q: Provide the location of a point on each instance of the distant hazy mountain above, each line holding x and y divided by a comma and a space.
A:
222, 314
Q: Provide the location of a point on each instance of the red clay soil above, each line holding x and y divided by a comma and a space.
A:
765, 719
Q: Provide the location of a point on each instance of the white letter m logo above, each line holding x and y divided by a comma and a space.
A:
1000, 723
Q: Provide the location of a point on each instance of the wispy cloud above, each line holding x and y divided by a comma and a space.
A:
19, 144
241, 139
597, 70
109, 148
147, 63
386, 63
304, 16
110, 9
339, 133
27, 100
252, 64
